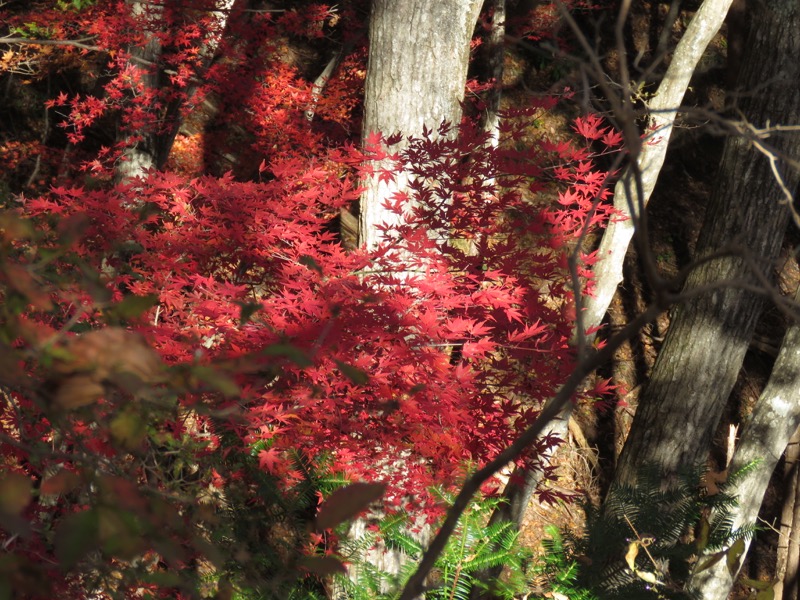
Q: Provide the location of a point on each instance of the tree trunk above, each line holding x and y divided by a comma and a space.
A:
617, 237
628, 199
788, 544
775, 419
709, 334
149, 148
416, 74
141, 148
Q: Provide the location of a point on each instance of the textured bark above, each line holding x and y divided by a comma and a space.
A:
416, 74
775, 419
791, 474
709, 334
789, 545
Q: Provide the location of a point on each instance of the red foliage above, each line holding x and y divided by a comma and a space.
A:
431, 353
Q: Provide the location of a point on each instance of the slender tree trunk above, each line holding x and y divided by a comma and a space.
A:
709, 334
789, 545
416, 74
628, 199
791, 471
617, 237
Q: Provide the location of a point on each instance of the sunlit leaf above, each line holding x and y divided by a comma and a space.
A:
734, 554
631, 554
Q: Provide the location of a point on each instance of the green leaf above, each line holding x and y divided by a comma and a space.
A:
348, 502
734, 554
703, 533
354, 374
756, 584
76, 537
128, 430
322, 566
710, 561
216, 379
247, 310
119, 533
309, 262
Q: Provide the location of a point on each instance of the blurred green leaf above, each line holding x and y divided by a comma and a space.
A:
119, 533
734, 554
128, 430
309, 262
247, 310
76, 537
354, 374
347, 502
293, 353
215, 379
322, 566
132, 307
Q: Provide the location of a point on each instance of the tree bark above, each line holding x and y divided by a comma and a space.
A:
788, 545
775, 419
149, 148
709, 334
416, 74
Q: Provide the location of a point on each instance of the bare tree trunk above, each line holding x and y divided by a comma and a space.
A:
791, 473
140, 152
628, 198
789, 546
774, 421
149, 148
708, 336
617, 237
416, 74
497, 52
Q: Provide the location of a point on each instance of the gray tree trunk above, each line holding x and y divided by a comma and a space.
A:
774, 420
629, 199
416, 74
709, 334
788, 545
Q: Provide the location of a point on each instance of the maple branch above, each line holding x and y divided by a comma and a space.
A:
79, 43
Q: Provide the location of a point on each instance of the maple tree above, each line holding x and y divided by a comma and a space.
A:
214, 319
